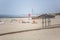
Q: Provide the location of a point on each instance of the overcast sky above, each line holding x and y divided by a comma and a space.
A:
23, 7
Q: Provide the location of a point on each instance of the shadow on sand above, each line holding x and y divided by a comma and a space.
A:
58, 26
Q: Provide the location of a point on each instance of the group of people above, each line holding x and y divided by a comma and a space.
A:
33, 21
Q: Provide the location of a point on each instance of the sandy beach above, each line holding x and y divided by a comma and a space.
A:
46, 34
16, 27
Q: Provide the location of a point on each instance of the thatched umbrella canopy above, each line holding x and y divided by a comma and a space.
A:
46, 16
57, 13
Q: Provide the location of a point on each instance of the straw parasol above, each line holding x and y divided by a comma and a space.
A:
44, 17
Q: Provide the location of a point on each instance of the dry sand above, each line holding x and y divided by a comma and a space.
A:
46, 34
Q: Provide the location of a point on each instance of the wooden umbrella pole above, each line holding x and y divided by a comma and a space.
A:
42, 22
45, 22
49, 21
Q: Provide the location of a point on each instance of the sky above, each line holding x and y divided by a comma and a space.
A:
24, 7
